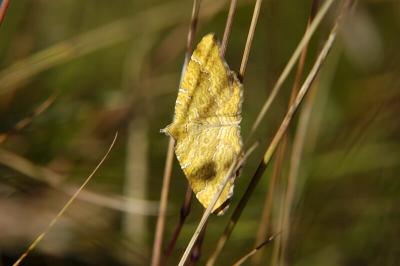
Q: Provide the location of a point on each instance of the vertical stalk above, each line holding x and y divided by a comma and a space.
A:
282, 147
3, 10
158, 240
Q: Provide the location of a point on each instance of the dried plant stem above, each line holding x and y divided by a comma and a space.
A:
325, 84
249, 41
3, 10
303, 90
196, 252
156, 255
185, 210
253, 251
65, 207
265, 219
277, 86
295, 164
158, 240
277, 247
264, 224
273, 145
54, 180
295, 156
28, 120
306, 38
228, 26
191, 33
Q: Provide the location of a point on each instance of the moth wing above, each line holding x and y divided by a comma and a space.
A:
205, 156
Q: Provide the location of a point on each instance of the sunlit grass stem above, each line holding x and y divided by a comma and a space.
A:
273, 145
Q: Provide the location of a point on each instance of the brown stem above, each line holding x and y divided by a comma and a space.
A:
53, 180
264, 224
249, 40
196, 252
185, 210
156, 257
295, 156
157, 246
228, 26
253, 251
283, 76
3, 10
26, 121
273, 146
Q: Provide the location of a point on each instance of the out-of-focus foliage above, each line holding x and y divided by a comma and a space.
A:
115, 66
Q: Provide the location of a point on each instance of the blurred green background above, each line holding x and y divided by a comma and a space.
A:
107, 66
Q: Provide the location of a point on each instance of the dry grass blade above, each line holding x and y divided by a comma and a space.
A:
28, 120
264, 224
247, 154
234, 165
54, 180
185, 210
228, 26
303, 90
306, 38
65, 207
196, 252
277, 246
249, 40
158, 239
273, 145
293, 168
274, 181
3, 10
253, 251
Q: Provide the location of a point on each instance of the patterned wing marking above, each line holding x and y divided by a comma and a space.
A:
207, 155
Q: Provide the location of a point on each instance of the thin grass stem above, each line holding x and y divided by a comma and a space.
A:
26, 121
249, 41
3, 10
228, 26
54, 180
196, 252
264, 224
65, 207
185, 210
267, 209
306, 38
253, 251
273, 145
158, 240
294, 165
